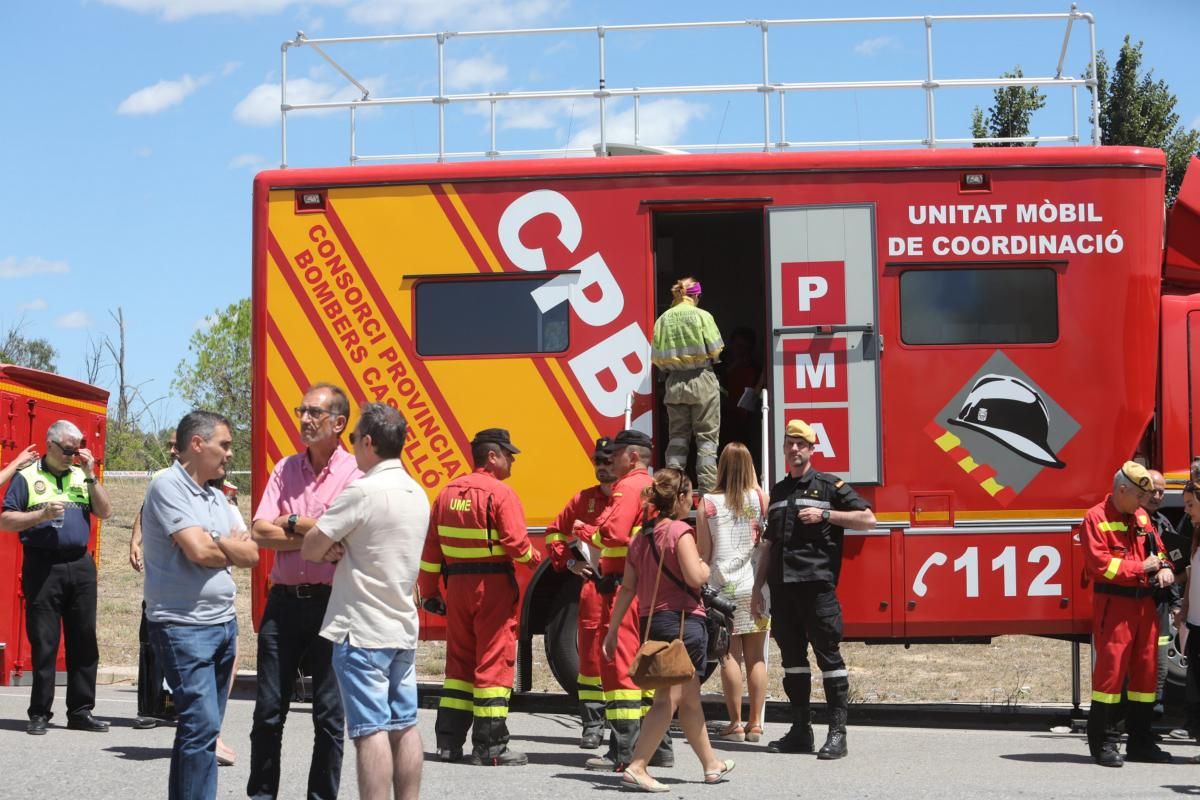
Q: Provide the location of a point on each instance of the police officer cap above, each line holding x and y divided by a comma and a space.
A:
604, 447
1136, 474
495, 436
799, 429
631, 437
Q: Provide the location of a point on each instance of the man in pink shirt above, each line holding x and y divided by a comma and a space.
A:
299, 491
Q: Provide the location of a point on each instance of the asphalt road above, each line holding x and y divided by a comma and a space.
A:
891, 762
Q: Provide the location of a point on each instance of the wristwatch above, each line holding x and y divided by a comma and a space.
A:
571, 562
89, 480
825, 515
291, 523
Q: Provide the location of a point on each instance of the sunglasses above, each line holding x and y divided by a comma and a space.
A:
66, 451
602, 460
311, 412
355, 436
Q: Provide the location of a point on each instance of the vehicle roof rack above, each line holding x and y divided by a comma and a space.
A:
774, 130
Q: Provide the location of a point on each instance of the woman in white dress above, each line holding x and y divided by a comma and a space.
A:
729, 528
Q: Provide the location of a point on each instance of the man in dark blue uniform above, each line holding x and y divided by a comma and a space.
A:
51, 503
806, 519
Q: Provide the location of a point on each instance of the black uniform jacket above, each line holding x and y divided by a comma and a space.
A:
801, 552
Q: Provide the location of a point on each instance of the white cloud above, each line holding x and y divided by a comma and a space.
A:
204, 323
74, 319
247, 161
528, 115
475, 73
875, 46
175, 10
462, 14
161, 96
37, 304
229, 68
261, 106
661, 122
12, 267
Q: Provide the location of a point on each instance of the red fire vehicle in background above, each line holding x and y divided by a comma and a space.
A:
30, 401
979, 336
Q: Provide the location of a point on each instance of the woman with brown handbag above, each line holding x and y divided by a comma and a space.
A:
668, 613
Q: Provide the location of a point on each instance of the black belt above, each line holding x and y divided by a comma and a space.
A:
607, 584
303, 591
486, 568
49, 555
1125, 591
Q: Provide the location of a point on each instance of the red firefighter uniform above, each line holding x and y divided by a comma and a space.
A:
587, 506
1124, 615
476, 533
624, 702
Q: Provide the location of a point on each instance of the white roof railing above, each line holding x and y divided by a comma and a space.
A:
774, 136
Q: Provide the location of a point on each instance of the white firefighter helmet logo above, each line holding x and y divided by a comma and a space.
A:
1011, 412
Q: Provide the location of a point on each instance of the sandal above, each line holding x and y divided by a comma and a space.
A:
646, 784
754, 733
225, 756
732, 733
719, 775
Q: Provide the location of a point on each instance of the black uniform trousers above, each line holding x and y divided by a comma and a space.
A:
290, 628
804, 614
60, 598
152, 696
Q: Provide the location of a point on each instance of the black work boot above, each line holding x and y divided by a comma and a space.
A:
835, 742
1097, 727
505, 758
1141, 745
489, 745
799, 738
590, 739
664, 755
1108, 755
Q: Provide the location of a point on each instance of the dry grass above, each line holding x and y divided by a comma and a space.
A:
1012, 669
119, 606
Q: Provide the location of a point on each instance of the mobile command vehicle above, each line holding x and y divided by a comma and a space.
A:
30, 402
980, 336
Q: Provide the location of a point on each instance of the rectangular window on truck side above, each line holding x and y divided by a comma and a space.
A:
488, 316
979, 305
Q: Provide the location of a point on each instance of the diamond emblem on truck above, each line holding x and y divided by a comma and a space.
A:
1002, 429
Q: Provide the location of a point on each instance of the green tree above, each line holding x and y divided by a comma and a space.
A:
216, 375
25, 351
1138, 110
1009, 114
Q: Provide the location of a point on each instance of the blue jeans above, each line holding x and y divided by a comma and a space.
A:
379, 688
198, 662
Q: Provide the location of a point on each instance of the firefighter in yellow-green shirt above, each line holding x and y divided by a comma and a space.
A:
686, 345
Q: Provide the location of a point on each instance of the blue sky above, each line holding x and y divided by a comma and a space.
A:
134, 127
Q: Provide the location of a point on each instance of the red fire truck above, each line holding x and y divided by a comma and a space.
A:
980, 337
30, 401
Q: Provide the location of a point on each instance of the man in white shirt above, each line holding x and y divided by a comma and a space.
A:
375, 529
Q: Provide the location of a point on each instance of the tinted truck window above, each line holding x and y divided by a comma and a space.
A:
486, 316
988, 305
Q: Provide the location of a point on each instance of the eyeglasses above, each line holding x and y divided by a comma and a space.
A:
312, 412
602, 461
66, 451
355, 436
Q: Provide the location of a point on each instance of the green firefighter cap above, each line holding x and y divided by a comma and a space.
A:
1136, 474
799, 429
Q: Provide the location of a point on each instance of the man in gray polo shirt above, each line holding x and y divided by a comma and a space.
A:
189, 591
